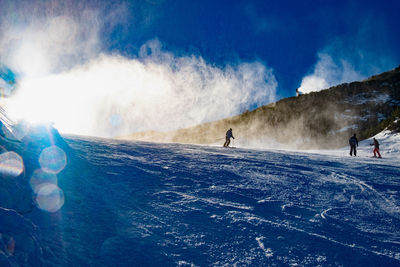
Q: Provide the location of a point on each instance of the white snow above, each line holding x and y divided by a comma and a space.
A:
153, 204
389, 147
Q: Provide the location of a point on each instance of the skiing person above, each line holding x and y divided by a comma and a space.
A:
376, 148
353, 142
228, 137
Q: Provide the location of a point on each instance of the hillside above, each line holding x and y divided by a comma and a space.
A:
323, 119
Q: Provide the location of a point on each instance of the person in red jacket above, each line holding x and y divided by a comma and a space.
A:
376, 148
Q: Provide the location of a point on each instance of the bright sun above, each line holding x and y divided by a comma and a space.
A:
44, 101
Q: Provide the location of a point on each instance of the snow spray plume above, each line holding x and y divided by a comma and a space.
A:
43, 37
112, 95
65, 79
353, 58
328, 73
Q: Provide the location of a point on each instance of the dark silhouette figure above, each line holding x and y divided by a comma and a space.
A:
228, 137
376, 148
353, 142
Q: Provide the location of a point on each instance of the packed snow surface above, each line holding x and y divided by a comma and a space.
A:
151, 204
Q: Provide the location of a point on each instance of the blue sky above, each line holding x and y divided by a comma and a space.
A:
285, 35
196, 61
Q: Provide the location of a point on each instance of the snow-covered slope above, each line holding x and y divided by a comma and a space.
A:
389, 146
149, 204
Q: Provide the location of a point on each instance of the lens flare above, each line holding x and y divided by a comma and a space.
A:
49, 197
8, 242
10, 246
40, 177
11, 164
53, 159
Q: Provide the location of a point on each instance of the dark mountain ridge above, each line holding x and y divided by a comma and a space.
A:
323, 119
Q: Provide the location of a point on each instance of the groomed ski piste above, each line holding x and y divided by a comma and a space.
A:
102, 202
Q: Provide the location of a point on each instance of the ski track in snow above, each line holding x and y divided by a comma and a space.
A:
137, 203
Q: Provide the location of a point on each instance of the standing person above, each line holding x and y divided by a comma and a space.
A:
376, 148
228, 137
353, 142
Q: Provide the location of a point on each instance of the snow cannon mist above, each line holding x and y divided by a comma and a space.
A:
114, 96
67, 78
41, 38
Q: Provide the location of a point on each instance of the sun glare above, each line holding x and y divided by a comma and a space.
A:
42, 101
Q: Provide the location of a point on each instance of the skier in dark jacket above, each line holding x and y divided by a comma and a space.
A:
353, 142
228, 137
376, 148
